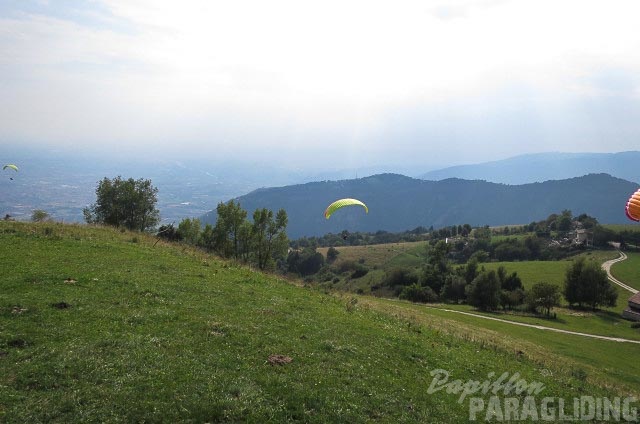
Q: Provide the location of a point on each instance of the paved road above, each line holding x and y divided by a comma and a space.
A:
607, 267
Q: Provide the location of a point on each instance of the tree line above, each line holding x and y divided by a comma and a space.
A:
262, 241
585, 284
131, 204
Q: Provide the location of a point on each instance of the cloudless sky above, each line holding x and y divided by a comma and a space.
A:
340, 83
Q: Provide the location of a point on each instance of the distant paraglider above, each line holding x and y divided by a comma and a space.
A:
633, 207
338, 204
10, 166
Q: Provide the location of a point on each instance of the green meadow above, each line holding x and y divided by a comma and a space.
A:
606, 362
628, 271
98, 325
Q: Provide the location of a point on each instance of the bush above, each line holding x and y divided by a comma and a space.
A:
39, 215
454, 288
512, 298
417, 293
543, 295
345, 266
332, 254
360, 271
307, 262
399, 277
484, 291
124, 203
587, 283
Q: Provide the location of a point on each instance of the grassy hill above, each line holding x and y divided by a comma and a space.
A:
101, 325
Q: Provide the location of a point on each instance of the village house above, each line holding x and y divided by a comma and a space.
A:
633, 310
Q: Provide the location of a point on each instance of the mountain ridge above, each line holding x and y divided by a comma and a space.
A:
539, 167
398, 203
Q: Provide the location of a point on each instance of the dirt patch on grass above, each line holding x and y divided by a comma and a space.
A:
279, 359
61, 305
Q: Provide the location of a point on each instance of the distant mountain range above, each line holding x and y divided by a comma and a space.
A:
398, 203
545, 166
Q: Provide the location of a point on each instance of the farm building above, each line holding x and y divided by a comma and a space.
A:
633, 310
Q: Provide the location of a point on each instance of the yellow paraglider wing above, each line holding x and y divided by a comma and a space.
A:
341, 204
11, 166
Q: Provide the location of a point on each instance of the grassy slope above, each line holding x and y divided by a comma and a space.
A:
169, 334
376, 254
607, 322
628, 271
603, 361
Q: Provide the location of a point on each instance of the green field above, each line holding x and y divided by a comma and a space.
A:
606, 322
377, 254
623, 227
500, 237
603, 360
98, 325
628, 271
531, 272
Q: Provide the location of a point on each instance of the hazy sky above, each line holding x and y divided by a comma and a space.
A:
343, 82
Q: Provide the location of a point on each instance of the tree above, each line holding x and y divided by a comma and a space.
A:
168, 232
397, 278
124, 203
586, 283
332, 254
511, 298
454, 288
269, 237
417, 293
189, 230
543, 295
436, 266
588, 222
563, 223
305, 262
484, 291
471, 269
534, 244
511, 282
39, 215
227, 231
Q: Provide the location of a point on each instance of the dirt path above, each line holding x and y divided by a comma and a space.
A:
607, 267
541, 327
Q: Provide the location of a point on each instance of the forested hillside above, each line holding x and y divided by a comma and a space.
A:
398, 203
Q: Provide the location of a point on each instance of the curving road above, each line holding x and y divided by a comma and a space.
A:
607, 267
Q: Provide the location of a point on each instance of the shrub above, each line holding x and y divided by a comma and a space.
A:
454, 288
543, 295
399, 277
484, 291
39, 215
346, 266
332, 254
360, 271
417, 293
